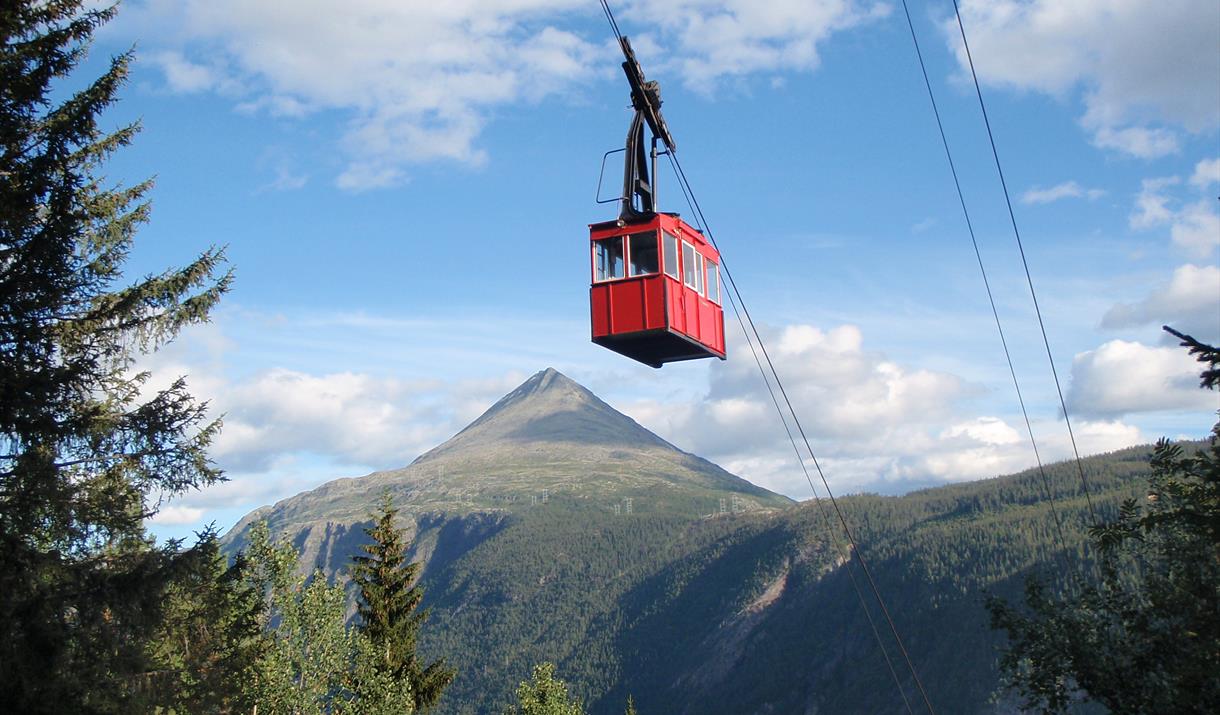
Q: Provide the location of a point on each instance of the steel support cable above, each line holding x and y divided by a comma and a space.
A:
1028, 277
1046, 484
855, 550
835, 541
809, 447
613, 24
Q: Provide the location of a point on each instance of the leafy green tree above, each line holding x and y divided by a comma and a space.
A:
388, 608
315, 663
544, 694
87, 449
1146, 637
305, 668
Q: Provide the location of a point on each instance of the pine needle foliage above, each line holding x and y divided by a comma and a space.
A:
388, 608
210, 636
1145, 638
87, 449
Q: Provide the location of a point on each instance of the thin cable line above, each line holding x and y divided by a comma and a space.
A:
1028, 277
613, 24
1046, 484
808, 446
834, 539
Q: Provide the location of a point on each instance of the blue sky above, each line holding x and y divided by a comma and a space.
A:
404, 189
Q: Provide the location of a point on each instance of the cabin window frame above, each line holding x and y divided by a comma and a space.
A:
630, 253
600, 274
713, 269
668, 239
690, 272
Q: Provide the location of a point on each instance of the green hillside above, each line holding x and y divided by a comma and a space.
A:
531, 555
755, 613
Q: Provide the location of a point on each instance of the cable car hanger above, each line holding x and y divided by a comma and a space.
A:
646, 99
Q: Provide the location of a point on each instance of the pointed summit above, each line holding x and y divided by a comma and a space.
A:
544, 384
549, 408
548, 442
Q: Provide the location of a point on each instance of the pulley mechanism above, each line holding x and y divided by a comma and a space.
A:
646, 99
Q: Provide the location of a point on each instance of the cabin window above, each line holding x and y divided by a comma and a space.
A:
608, 259
699, 272
690, 267
671, 254
642, 250
713, 281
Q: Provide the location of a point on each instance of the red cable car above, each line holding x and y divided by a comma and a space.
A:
656, 292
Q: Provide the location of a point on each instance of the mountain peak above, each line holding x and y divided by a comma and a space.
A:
542, 382
549, 407
549, 436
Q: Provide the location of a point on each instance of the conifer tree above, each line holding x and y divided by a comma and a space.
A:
1145, 638
388, 608
87, 450
209, 637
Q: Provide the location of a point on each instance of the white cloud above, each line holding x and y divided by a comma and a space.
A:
878, 425
871, 420
1140, 142
1190, 301
1146, 71
1121, 377
416, 82
178, 516
1194, 226
1066, 190
988, 430
355, 418
182, 75
414, 79
709, 40
1207, 172
1152, 204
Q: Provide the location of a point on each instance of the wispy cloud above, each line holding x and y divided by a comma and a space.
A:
1066, 190
416, 82
1190, 301
872, 420
1145, 71
1122, 377
1194, 226
1207, 172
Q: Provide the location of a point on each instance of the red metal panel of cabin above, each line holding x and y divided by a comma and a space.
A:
599, 303
636, 304
690, 312
677, 299
627, 306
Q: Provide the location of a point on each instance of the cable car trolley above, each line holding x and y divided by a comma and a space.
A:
656, 294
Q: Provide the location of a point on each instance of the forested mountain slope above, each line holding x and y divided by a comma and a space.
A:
689, 609
756, 613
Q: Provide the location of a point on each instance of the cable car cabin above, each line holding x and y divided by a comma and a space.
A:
656, 293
